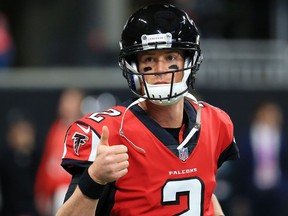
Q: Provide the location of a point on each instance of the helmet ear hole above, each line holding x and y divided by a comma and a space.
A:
198, 60
135, 80
189, 74
187, 62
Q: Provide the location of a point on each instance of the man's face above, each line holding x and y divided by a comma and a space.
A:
155, 61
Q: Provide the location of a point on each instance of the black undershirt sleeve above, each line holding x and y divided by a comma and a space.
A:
72, 186
230, 153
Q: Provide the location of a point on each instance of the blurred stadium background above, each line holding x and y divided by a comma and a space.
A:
54, 45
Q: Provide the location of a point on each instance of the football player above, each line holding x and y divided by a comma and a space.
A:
157, 154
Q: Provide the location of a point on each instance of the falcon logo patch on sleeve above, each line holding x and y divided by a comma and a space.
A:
79, 139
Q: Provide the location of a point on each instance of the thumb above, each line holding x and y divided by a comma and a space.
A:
104, 136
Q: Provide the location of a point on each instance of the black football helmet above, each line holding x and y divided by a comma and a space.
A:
159, 26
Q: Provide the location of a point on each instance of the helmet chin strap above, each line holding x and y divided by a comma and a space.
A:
162, 90
185, 141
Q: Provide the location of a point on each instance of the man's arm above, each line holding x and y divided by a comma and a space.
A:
110, 164
217, 207
78, 204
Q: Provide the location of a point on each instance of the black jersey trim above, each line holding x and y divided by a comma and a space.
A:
162, 134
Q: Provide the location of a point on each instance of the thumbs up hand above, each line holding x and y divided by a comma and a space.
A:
111, 162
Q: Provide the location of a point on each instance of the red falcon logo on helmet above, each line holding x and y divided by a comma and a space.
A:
79, 139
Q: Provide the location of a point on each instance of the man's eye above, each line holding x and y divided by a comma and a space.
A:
149, 59
171, 58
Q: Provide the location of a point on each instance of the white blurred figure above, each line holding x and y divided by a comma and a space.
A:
264, 162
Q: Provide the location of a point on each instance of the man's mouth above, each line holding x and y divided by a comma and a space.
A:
160, 82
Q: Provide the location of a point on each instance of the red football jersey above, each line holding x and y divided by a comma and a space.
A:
158, 182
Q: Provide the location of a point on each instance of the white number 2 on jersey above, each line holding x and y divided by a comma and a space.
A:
192, 188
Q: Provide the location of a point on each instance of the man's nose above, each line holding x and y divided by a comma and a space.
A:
161, 66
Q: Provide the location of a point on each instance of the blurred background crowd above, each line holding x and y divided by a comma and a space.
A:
58, 61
